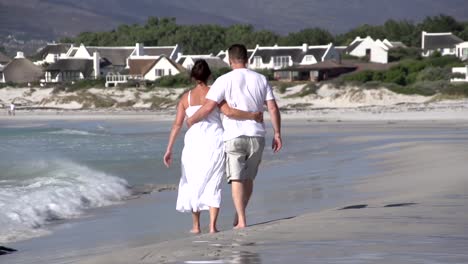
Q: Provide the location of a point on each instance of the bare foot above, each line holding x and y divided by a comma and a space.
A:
213, 231
237, 227
195, 231
236, 220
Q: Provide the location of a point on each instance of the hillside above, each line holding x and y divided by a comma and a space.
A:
54, 18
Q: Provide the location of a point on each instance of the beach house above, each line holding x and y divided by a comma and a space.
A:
21, 70
462, 73
292, 58
214, 62
276, 57
445, 43
115, 59
462, 50
52, 52
375, 50
153, 69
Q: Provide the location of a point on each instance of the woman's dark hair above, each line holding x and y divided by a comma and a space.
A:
200, 71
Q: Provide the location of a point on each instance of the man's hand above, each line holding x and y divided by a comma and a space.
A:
258, 117
168, 159
277, 143
189, 122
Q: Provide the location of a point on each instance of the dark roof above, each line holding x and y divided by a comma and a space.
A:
182, 60
72, 54
323, 65
54, 49
22, 70
297, 54
156, 51
116, 56
4, 59
353, 46
433, 42
84, 66
216, 63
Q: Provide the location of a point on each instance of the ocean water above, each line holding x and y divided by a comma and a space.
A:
57, 170
67, 188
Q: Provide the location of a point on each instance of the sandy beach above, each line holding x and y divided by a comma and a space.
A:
415, 212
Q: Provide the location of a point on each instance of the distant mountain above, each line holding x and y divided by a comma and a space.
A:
54, 18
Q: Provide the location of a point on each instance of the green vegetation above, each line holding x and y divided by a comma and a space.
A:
173, 81
426, 76
213, 38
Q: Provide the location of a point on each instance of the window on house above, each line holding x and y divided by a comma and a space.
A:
71, 76
309, 58
257, 61
465, 52
169, 72
159, 72
281, 61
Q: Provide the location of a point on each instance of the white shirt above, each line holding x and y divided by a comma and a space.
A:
12, 107
245, 90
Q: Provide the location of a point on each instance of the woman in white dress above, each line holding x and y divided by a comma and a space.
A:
203, 162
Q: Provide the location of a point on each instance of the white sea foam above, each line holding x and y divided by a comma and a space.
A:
72, 132
62, 191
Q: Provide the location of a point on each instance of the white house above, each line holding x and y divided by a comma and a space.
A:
277, 57
146, 69
52, 53
115, 59
462, 51
462, 71
73, 69
442, 42
375, 50
214, 62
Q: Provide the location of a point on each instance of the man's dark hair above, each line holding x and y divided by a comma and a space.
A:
200, 71
238, 53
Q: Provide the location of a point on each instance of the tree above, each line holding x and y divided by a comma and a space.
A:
312, 36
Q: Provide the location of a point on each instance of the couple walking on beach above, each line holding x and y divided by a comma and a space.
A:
215, 147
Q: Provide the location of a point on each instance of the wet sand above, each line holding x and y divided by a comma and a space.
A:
414, 209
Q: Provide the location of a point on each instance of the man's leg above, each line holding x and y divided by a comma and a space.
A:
239, 193
256, 146
246, 198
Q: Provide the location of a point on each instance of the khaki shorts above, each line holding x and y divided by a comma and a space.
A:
243, 156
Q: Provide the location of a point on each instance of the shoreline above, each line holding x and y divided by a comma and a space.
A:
444, 110
397, 225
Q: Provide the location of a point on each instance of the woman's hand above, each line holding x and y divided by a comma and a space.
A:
168, 159
258, 117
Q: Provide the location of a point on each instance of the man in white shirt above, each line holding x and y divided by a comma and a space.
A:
245, 90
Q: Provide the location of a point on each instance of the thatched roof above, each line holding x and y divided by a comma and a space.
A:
22, 70
54, 48
440, 41
85, 66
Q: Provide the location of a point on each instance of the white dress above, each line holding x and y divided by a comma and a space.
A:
203, 163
